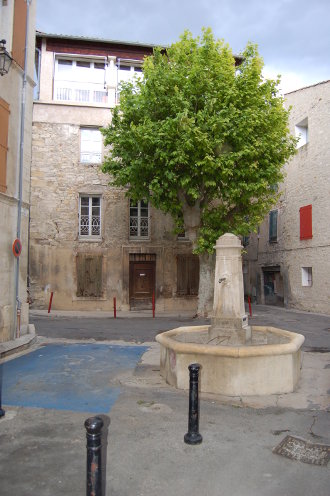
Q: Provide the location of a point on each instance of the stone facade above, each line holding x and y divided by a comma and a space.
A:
294, 269
15, 155
59, 179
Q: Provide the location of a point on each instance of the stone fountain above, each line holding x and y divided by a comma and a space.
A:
236, 359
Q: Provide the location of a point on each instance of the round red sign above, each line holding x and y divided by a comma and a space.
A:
17, 247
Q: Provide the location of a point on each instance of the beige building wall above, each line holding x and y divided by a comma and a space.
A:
11, 91
58, 178
307, 182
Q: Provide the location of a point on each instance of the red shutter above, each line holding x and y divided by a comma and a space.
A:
306, 231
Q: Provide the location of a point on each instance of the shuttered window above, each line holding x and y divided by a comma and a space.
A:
306, 231
19, 32
4, 123
89, 275
187, 275
90, 146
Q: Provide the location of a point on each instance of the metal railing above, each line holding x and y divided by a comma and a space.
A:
70, 91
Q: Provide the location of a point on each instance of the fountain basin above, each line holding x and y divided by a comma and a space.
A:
271, 367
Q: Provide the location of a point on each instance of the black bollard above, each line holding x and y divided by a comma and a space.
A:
2, 412
193, 436
93, 427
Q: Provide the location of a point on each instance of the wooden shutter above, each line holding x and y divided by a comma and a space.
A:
182, 275
19, 32
187, 274
193, 275
89, 275
4, 123
306, 231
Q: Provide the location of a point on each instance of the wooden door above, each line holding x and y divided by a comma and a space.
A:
141, 284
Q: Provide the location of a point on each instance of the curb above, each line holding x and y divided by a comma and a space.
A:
20, 344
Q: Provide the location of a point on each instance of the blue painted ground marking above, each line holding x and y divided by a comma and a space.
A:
68, 376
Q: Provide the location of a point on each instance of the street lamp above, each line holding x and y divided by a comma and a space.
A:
5, 59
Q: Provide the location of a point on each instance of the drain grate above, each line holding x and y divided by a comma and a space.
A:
303, 451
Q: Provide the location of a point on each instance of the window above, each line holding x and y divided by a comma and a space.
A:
127, 71
187, 275
306, 276
90, 146
89, 216
139, 219
246, 240
182, 236
4, 122
19, 32
89, 275
273, 226
80, 80
301, 130
306, 231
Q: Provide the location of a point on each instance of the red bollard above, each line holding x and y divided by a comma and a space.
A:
50, 301
153, 304
114, 308
250, 308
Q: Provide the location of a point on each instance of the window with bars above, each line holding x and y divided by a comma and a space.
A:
273, 216
90, 146
139, 219
89, 216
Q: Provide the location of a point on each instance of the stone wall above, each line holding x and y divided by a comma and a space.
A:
57, 180
306, 183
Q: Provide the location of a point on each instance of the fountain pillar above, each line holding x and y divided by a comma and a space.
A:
229, 322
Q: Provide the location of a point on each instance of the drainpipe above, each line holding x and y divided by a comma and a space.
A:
18, 303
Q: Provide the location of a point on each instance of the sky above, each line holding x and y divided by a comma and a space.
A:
293, 36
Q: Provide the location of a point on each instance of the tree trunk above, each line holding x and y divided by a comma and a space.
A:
192, 222
206, 284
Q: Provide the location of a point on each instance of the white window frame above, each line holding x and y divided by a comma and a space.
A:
307, 276
72, 89
301, 132
90, 220
132, 70
92, 156
138, 222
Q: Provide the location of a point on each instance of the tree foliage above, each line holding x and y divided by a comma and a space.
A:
201, 137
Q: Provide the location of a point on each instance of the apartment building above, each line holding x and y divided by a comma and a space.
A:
17, 35
89, 243
288, 260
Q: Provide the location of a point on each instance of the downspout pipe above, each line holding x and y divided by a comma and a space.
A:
18, 303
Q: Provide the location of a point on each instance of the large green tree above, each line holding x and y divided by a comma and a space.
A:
202, 136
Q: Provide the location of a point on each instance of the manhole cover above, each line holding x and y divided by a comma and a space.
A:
303, 451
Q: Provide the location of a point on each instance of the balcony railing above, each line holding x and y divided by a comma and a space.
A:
90, 226
139, 227
70, 91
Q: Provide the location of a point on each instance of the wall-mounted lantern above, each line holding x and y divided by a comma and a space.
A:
5, 59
